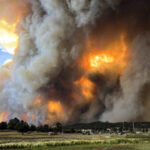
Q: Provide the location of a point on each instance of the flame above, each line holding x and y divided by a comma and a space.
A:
86, 87
25, 117
97, 60
55, 107
110, 57
8, 36
11, 13
55, 111
3, 116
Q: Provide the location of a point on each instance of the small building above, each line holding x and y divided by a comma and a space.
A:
52, 133
87, 132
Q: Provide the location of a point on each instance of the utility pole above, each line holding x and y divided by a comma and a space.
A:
133, 127
123, 125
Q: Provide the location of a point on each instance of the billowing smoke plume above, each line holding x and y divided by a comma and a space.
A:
78, 61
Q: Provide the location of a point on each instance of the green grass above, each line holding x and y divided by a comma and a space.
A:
87, 147
40, 141
94, 147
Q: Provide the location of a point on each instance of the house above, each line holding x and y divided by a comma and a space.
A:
87, 132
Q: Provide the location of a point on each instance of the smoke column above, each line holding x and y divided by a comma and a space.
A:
77, 61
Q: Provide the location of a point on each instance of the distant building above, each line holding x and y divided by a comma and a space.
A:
87, 132
51, 133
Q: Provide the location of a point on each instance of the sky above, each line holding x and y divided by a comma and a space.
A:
4, 56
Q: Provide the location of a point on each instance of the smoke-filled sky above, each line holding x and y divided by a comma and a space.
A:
75, 60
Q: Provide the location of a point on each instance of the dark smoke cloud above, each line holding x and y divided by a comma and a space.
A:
52, 41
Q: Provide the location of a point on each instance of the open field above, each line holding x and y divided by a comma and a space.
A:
40, 141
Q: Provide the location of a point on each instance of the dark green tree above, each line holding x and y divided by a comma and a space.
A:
58, 127
120, 129
32, 128
45, 128
40, 128
12, 123
22, 127
3, 125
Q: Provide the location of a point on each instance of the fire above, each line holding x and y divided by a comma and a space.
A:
11, 13
86, 87
55, 111
109, 57
55, 107
25, 117
3, 116
97, 60
8, 36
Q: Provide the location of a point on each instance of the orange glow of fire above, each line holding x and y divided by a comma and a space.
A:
8, 36
3, 116
114, 54
96, 61
86, 87
37, 102
55, 107
33, 116
55, 111
25, 117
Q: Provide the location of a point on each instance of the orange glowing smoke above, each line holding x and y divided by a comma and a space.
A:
8, 36
3, 116
112, 56
25, 117
55, 111
11, 13
86, 87
55, 107
37, 102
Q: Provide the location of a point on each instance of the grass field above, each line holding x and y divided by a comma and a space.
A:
41, 141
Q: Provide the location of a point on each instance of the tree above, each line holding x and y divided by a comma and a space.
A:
58, 127
40, 128
12, 123
120, 129
46, 128
146, 130
32, 128
22, 127
3, 125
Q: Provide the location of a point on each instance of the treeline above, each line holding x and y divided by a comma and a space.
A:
22, 126
112, 127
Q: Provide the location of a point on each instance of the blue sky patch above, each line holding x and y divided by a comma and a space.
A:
4, 56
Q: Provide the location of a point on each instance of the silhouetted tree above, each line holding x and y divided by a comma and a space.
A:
12, 123
22, 127
120, 129
3, 125
40, 128
46, 128
58, 127
32, 128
